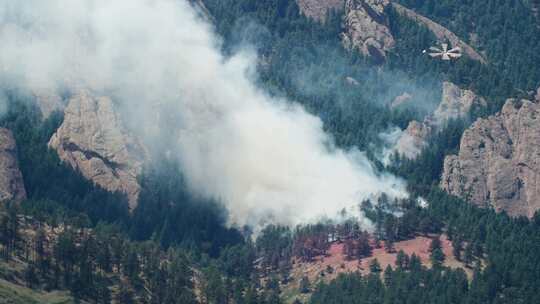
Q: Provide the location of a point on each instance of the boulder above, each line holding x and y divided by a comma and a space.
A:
11, 180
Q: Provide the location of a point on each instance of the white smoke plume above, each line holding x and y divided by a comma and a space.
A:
390, 139
266, 159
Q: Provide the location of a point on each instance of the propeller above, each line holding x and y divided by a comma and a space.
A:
445, 53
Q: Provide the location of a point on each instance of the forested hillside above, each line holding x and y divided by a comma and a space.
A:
73, 241
504, 31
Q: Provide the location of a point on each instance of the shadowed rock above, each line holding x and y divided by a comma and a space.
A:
11, 180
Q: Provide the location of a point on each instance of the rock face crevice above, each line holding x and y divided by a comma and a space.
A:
93, 141
498, 163
11, 179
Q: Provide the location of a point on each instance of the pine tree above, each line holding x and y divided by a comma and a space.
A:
402, 260
374, 266
304, 285
388, 275
468, 257
213, 288
125, 294
30, 276
457, 245
436, 254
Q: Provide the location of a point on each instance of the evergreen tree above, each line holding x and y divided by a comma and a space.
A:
402, 260
436, 254
30, 276
457, 247
125, 294
468, 257
304, 285
374, 266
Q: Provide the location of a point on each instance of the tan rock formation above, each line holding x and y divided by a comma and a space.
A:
91, 139
498, 163
11, 180
366, 28
413, 139
455, 103
442, 33
318, 9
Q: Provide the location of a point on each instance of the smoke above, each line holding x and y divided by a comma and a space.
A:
390, 139
265, 158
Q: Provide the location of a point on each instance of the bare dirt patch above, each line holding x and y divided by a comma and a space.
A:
327, 268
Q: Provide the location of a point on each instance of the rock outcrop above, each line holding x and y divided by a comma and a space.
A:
11, 180
413, 139
92, 140
366, 28
442, 33
455, 103
401, 100
319, 9
498, 163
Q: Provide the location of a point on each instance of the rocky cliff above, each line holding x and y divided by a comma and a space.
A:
366, 28
455, 103
318, 9
11, 180
498, 163
92, 140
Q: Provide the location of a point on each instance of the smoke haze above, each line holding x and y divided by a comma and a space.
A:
265, 158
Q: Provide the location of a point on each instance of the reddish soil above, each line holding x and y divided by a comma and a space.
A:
340, 264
